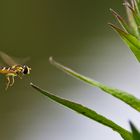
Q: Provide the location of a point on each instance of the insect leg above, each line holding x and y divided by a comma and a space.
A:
12, 81
8, 82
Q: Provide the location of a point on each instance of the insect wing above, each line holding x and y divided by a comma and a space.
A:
22, 60
10, 61
7, 59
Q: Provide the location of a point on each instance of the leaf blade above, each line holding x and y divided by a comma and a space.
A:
132, 42
131, 19
126, 135
124, 25
122, 95
135, 132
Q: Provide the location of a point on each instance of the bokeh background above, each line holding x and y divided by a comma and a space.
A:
76, 34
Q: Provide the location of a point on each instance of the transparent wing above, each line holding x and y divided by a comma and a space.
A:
10, 61
7, 59
21, 60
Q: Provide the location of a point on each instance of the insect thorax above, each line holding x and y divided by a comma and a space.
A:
21, 69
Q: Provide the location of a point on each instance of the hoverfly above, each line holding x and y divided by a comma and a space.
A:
13, 70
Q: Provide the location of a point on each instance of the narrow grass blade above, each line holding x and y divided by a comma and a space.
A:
131, 20
133, 8
122, 22
132, 42
126, 135
135, 132
122, 95
137, 18
136, 6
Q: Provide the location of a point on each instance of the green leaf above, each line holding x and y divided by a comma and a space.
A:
136, 6
132, 42
122, 95
126, 135
136, 16
122, 22
133, 13
131, 20
135, 132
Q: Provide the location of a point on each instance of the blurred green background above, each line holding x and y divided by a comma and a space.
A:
76, 34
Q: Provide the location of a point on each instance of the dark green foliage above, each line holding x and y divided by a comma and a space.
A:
135, 132
131, 30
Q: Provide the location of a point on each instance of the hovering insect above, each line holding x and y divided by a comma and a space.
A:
13, 70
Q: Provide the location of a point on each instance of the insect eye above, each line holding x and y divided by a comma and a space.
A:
25, 70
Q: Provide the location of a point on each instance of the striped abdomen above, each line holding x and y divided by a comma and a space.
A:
7, 70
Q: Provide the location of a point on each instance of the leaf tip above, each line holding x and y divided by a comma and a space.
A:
132, 126
35, 87
112, 25
110, 9
120, 31
31, 84
51, 60
127, 5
